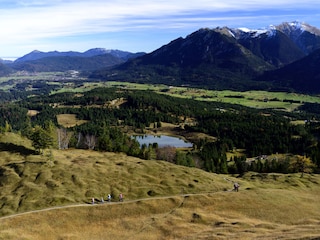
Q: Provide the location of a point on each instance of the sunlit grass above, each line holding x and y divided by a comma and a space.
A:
162, 200
69, 120
254, 99
252, 213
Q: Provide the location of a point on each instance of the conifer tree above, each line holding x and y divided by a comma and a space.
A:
41, 139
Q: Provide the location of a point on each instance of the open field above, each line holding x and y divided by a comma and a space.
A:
69, 120
255, 99
162, 200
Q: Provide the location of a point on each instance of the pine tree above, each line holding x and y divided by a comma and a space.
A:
41, 139
223, 164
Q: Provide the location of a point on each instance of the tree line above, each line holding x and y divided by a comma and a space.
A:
259, 132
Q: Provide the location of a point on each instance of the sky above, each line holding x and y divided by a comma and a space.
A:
133, 25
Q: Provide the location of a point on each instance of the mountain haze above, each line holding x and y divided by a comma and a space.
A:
62, 61
65, 63
35, 55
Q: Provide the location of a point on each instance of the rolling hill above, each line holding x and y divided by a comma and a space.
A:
49, 197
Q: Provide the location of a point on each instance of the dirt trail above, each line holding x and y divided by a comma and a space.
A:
98, 204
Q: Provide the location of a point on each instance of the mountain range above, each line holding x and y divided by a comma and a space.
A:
226, 58
92, 59
283, 57
35, 55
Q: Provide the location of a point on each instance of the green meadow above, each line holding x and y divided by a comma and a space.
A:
255, 99
49, 196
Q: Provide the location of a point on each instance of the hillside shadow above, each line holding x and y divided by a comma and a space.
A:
13, 148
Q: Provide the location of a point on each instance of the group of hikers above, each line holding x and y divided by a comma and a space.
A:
109, 198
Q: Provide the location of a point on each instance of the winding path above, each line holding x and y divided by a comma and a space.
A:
112, 203
105, 203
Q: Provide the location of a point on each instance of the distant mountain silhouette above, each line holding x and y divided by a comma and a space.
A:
93, 59
35, 55
65, 63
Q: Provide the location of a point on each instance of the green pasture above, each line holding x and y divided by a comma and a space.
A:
255, 99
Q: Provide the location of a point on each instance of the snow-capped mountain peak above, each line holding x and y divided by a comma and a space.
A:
253, 33
292, 29
295, 28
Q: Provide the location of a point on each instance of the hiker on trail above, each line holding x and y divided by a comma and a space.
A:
236, 187
102, 200
120, 197
109, 197
92, 200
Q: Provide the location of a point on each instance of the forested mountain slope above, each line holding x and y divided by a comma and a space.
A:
300, 76
221, 58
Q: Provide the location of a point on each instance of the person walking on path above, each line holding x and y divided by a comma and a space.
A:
236, 187
120, 197
109, 197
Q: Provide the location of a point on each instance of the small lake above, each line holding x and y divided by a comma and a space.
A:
162, 141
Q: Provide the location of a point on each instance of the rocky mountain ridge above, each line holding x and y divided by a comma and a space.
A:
221, 58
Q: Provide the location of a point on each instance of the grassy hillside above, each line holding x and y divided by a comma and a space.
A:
29, 182
162, 200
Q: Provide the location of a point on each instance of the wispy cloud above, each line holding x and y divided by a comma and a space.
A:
28, 21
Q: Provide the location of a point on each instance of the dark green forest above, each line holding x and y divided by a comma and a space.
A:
258, 132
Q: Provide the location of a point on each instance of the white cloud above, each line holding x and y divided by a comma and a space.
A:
29, 21
61, 17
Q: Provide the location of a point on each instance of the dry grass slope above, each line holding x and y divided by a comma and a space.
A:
162, 200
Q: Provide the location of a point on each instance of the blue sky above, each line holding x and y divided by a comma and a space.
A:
133, 25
